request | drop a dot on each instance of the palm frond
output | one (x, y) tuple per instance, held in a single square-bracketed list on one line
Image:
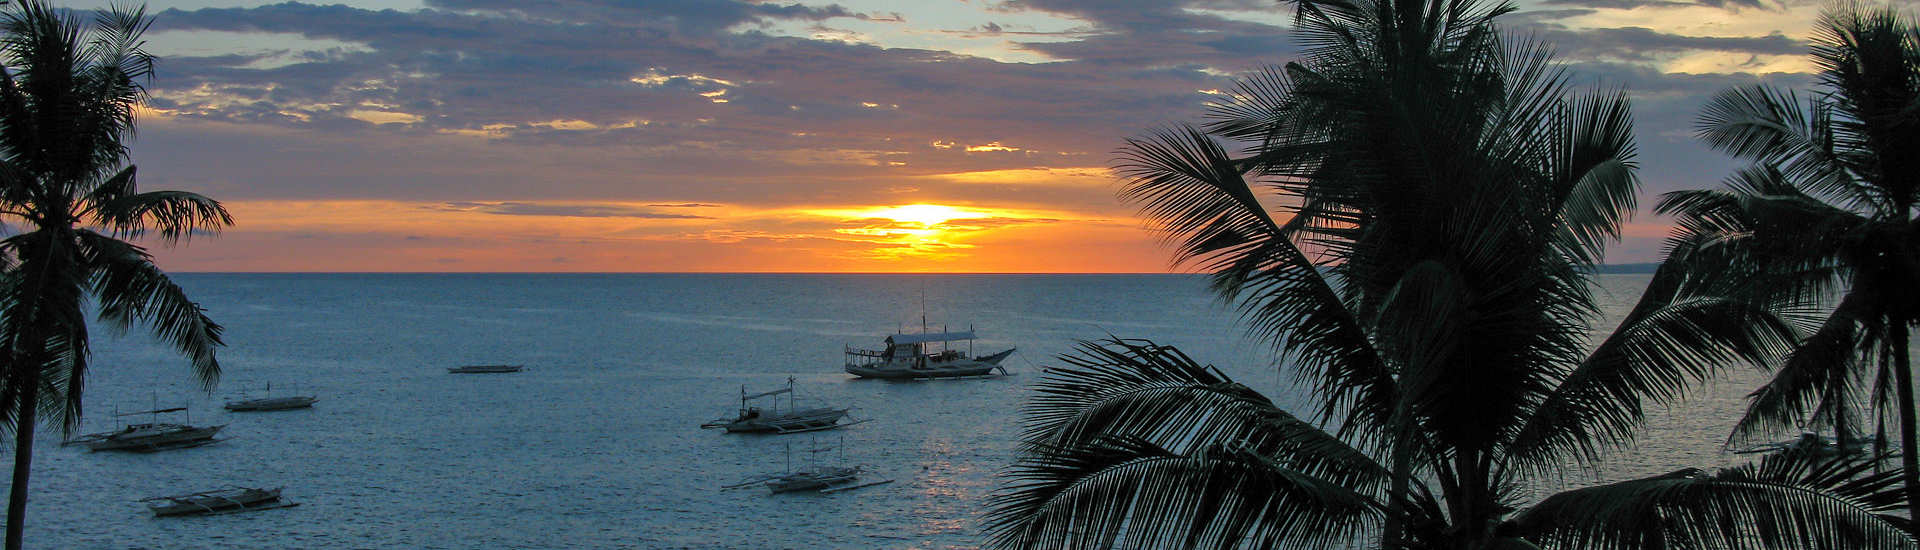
[(1597, 172), (1769, 127), (1138, 389), (1810, 373), (1671, 339), (175, 215), (1125, 492), (130, 288), (65, 375), (1186, 183), (1867, 58), (1787, 501), (1762, 240), (42, 327)]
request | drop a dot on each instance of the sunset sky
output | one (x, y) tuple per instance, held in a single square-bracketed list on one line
[(719, 135)]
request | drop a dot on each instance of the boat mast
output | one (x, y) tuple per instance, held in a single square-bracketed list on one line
[(791, 404)]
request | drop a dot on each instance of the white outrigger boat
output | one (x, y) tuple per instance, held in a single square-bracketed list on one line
[(151, 436), (220, 501), (752, 419), (910, 356)]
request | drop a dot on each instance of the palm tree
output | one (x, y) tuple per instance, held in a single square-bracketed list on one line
[(68, 94), (1825, 210), (1441, 202)]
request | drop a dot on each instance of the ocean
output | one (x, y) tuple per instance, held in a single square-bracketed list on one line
[(597, 444)]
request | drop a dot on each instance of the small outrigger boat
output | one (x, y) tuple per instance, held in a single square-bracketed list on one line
[(150, 437), (484, 369), (753, 419), (818, 479), (272, 403), (220, 501), (907, 356)]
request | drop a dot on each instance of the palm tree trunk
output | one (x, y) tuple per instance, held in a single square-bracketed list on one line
[(1903, 382), (22, 458)]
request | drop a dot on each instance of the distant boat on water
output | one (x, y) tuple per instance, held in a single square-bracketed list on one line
[(817, 478), (753, 419), (220, 501), (912, 356), (151, 436), (824, 479), (272, 403), (484, 369)]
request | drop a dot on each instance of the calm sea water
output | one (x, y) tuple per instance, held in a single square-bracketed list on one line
[(597, 444)]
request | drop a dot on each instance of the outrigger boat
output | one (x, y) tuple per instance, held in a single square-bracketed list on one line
[(818, 479), (219, 501), (823, 479), (272, 403), (752, 419), (151, 436), (484, 369), (909, 356)]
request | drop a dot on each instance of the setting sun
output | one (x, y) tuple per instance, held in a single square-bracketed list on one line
[(927, 215)]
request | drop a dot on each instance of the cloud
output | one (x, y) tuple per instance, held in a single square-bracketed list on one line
[(982, 224), (700, 110), (1627, 4), (700, 16), (560, 210), (1645, 45)]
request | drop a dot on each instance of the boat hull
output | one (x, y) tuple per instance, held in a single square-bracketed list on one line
[(272, 404), (216, 502), (801, 421), (484, 369), (814, 480), (177, 437), (980, 366)]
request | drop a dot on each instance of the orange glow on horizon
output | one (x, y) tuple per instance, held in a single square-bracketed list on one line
[(548, 236), (926, 215)]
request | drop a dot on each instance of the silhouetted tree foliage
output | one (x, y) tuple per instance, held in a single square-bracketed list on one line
[(1824, 210), (1411, 214), (68, 95)]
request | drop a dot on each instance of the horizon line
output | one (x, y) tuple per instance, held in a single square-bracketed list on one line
[(211, 272), (214, 272)]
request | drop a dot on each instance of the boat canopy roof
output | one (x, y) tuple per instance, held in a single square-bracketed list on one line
[(898, 339)]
